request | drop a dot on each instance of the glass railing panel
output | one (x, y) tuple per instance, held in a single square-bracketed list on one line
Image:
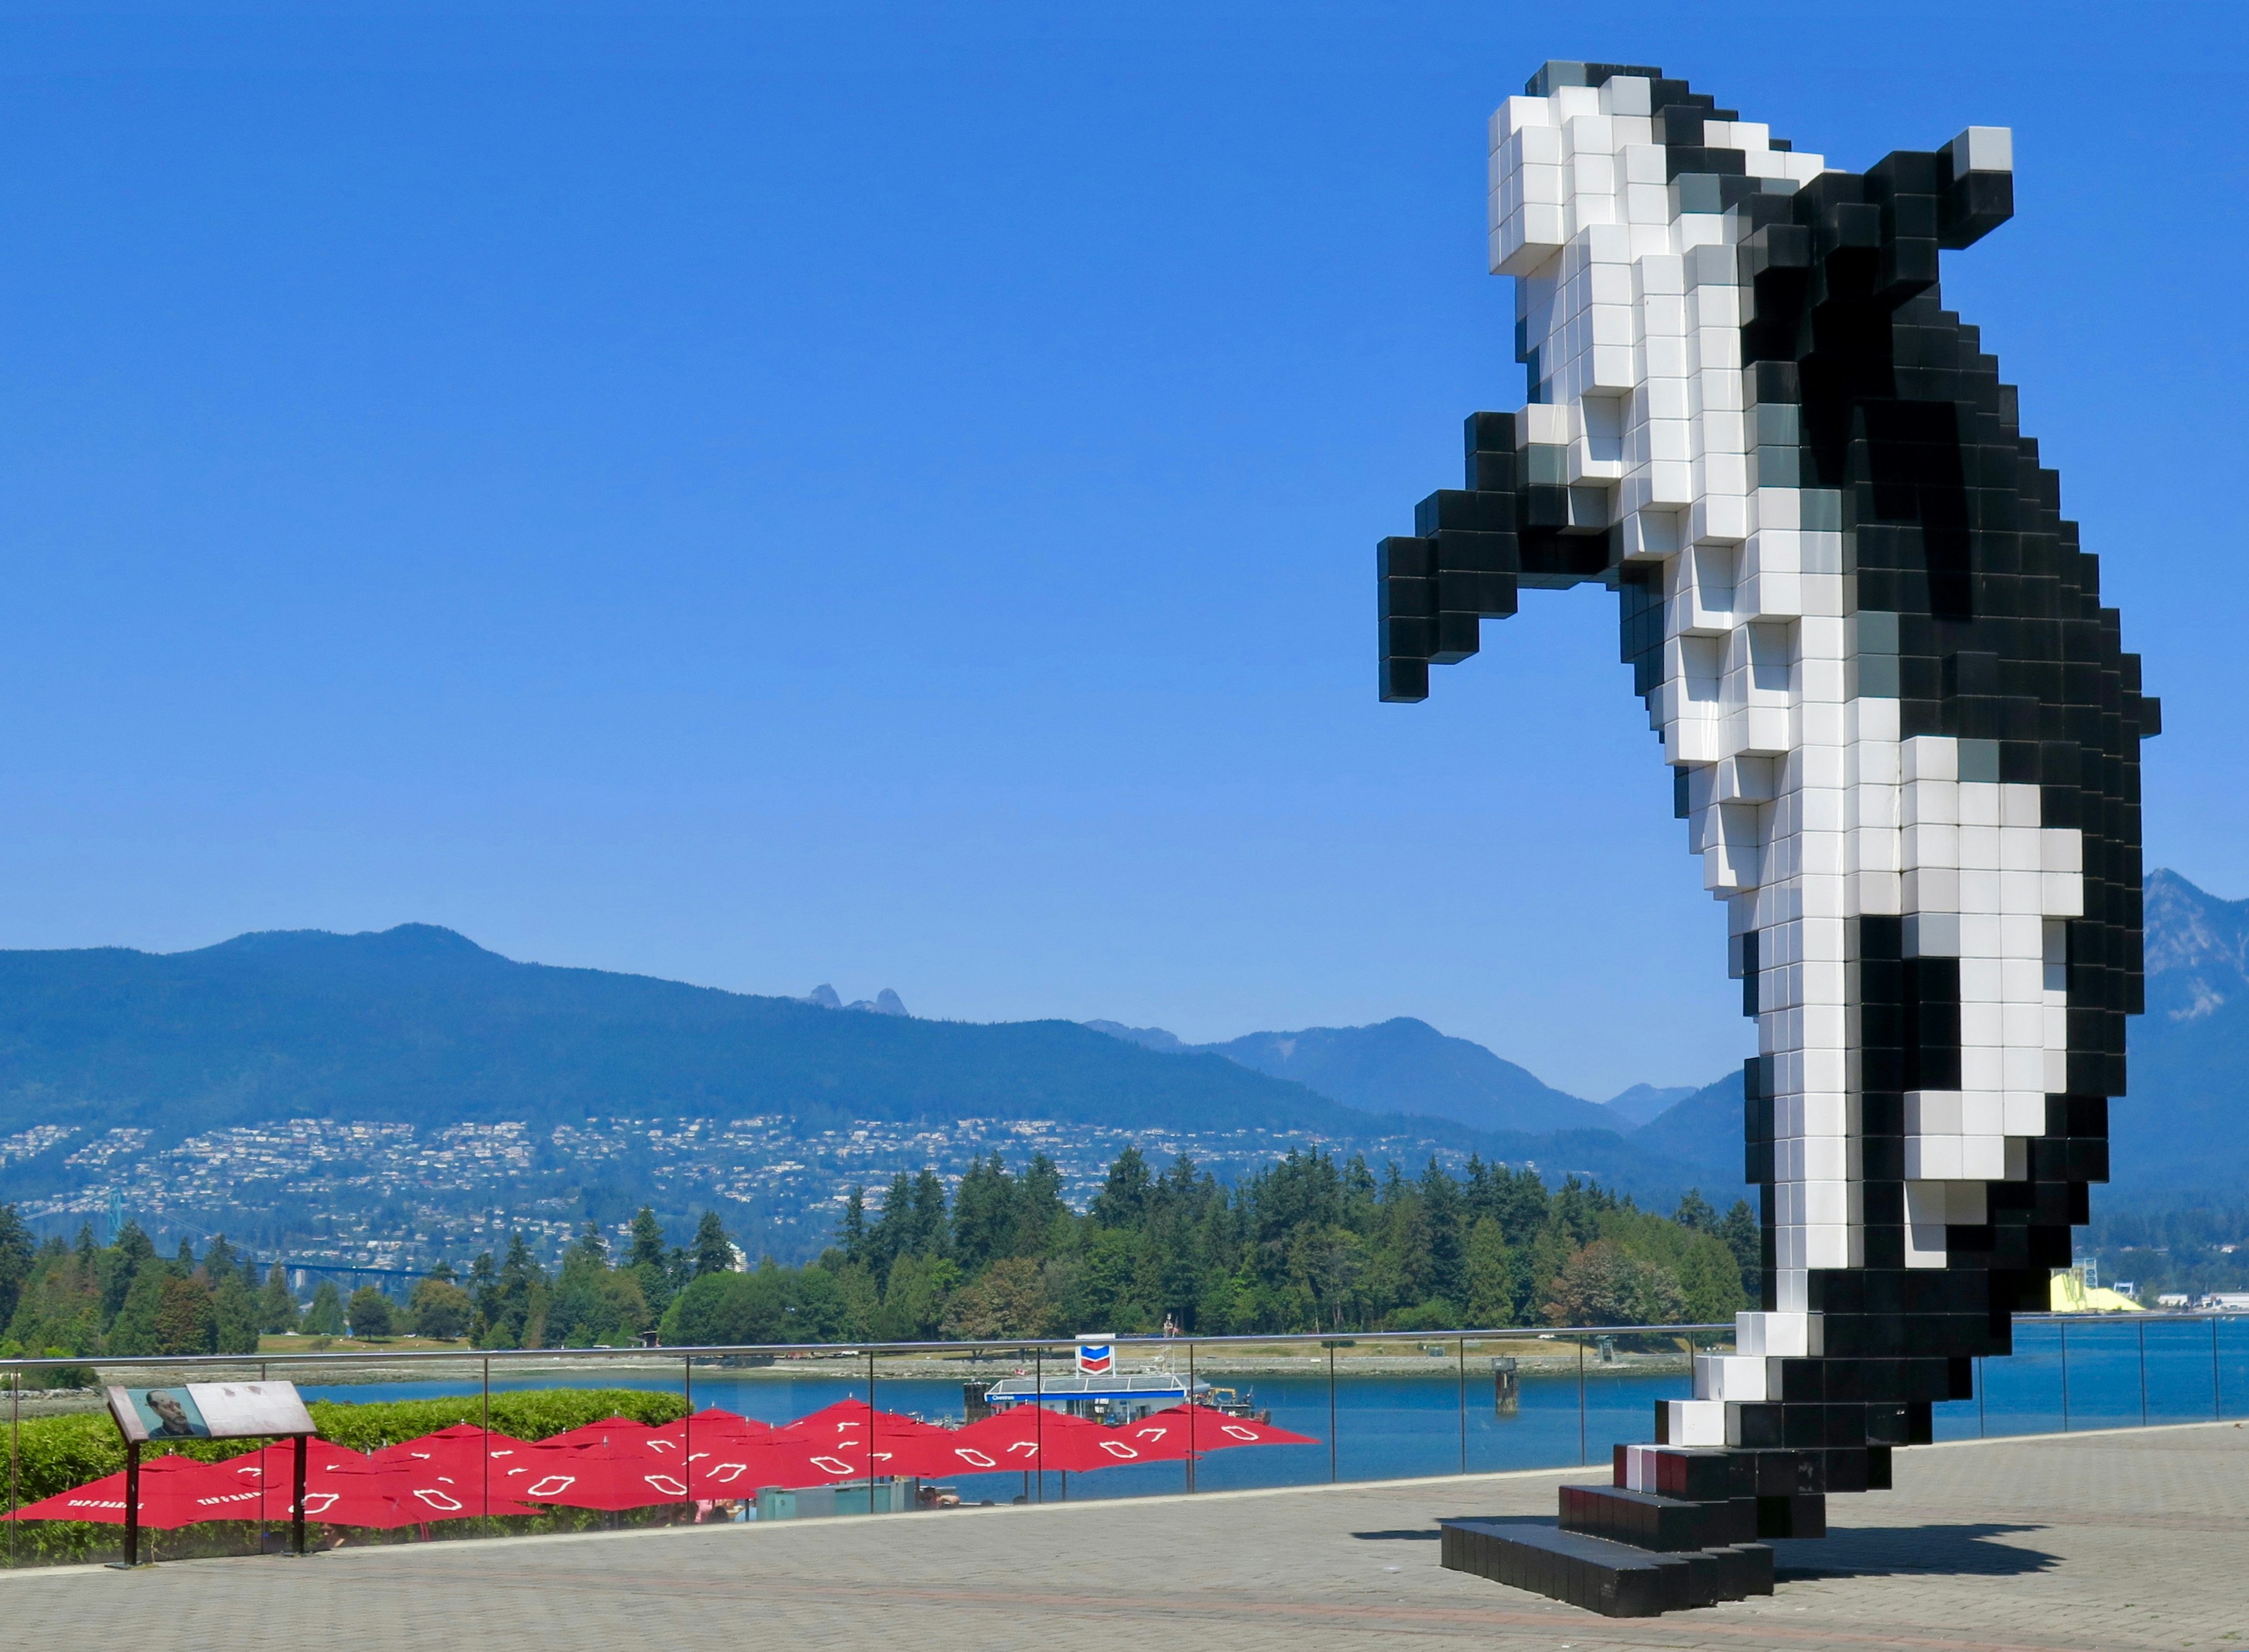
[(2023, 1392), (2182, 1382), (2232, 1379), (2105, 1371)]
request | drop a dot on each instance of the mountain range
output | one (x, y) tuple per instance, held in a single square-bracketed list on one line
[(419, 1025)]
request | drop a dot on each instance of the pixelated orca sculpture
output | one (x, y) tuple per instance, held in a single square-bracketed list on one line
[(1901, 730)]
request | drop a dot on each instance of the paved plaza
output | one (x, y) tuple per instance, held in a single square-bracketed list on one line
[(2134, 1539)]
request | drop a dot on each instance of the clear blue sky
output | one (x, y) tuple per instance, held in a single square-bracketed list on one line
[(887, 497)]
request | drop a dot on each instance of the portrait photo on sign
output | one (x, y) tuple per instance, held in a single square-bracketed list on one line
[(159, 1413)]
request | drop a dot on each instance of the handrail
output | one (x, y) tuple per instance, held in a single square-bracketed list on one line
[(856, 1350), (992, 1346)]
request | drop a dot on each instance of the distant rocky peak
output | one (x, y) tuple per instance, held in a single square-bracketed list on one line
[(2197, 947), (884, 1003)]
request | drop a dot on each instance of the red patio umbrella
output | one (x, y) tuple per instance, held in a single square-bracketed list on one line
[(853, 1421), (423, 1491), (714, 1424), (1206, 1428), (618, 1476), (607, 1431), (342, 1488), (1032, 1438), (455, 1447), (175, 1491)]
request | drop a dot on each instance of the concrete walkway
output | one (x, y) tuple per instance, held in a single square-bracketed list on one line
[(2129, 1539)]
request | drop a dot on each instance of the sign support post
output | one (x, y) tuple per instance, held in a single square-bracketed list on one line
[(297, 1497), (132, 1507)]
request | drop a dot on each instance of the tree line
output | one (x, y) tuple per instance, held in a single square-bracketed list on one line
[(1307, 1243), (84, 1299)]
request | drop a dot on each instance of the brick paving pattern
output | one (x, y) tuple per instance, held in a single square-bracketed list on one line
[(2130, 1539)]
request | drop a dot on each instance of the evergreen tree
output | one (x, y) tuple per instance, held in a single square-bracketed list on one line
[(647, 1241), (484, 1293), (1694, 1212), (1443, 1214), (1746, 1239), (135, 1329), (1492, 1293), (221, 1259), (277, 1304), (185, 1319), (120, 1262), (234, 1315), (891, 1236), (1040, 1212), (652, 1264), (325, 1317), (712, 1250), (852, 1228), (17, 1249), (518, 1318), (984, 1214), (1123, 1201), (925, 1215)]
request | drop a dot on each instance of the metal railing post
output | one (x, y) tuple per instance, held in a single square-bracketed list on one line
[(1462, 1348), (2065, 1376), (1038, 1417), (2143, 1373), (1581, 1399), (1191, 1416), (2217, 1382), (15, 1428), (483, 1444), (1331, 1415), (1979, 1397)]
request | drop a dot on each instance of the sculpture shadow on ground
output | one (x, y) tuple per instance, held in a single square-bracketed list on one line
[(1968, 1549)]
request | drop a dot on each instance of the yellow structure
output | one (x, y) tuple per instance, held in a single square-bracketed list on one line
[(2072, 1295)]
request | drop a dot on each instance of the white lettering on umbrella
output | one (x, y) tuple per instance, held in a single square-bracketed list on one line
[(320, 1502), (666, 1484), (725, 1473), (655, 1444), (974, 1458), (1238, 1432), (552, 1485), (1118, 1450), (832, 1465), (1151, 1432), (436, 1499), (1028, 1448)]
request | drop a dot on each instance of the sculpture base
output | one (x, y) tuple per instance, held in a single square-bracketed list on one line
[(1600, 1574), (1680, 1526)]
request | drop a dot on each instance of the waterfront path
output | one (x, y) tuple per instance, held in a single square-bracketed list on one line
[(2126, 1540)]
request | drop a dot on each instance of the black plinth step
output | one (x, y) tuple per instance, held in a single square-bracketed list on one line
[(1613, 1578), (1649, 1521)]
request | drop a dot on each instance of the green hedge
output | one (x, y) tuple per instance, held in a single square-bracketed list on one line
[(54, 1454)]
